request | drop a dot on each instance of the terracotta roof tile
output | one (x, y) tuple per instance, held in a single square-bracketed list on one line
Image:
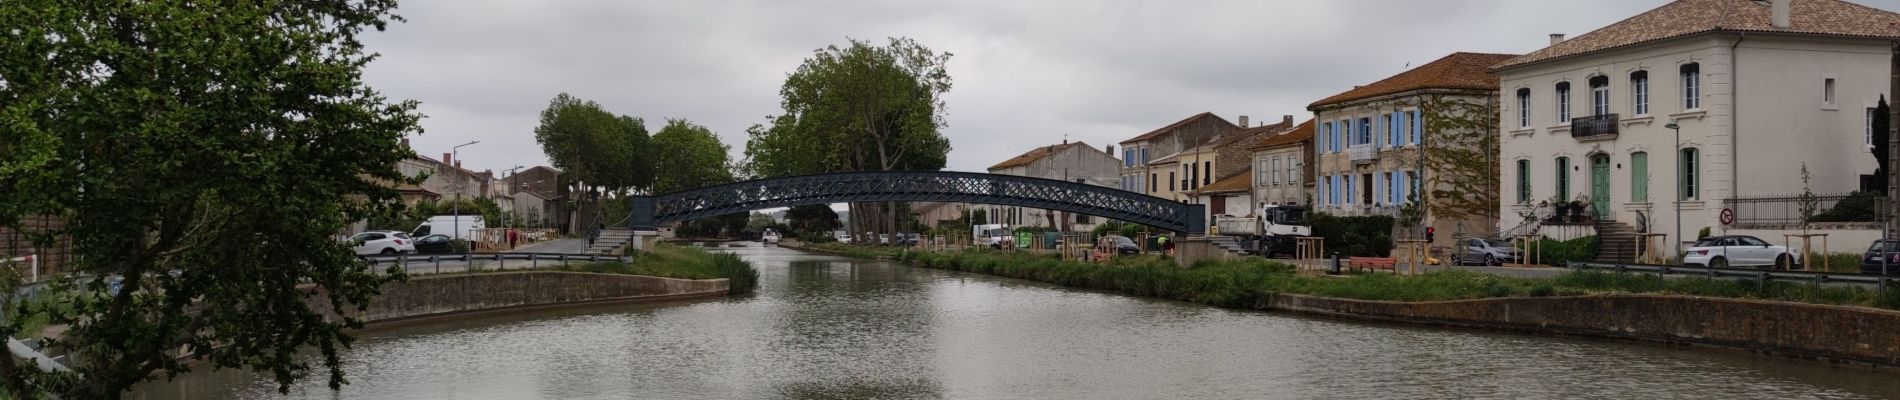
[(1238, 182), (1034, 154), (1301, 133), (1165, 129), (1455, 71), (1689, 17)]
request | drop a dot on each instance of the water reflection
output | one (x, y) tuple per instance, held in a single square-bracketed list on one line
[(826, 327)]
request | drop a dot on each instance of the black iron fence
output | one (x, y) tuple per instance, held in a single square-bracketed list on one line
[(1785, 211)]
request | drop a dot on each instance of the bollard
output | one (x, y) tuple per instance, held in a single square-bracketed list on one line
[(1335, 270)]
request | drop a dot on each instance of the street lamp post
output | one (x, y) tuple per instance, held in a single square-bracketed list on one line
[(455, 154), (1678, 157)]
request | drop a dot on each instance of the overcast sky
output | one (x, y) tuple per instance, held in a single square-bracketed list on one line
[(1026, 73)]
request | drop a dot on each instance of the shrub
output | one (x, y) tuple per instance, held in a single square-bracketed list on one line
[(1559, 253), (669, 261), (1856, 207), (1366, 236)]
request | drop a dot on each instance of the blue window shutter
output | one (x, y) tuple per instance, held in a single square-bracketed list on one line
[(1391, 130)]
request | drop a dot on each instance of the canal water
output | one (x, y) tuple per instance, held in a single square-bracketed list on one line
[(828, 327)]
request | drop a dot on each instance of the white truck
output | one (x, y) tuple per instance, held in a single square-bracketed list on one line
[(996, 236), (1274, 230), (455, 227)]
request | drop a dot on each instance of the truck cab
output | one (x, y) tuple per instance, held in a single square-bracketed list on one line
[(1275, 229), (996, 236)]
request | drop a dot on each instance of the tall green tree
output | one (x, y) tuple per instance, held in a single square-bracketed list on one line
[(202, 157), (687, 156), (1881, 123), (862, 107)]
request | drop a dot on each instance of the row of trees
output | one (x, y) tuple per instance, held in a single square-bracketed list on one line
[(608, 157)]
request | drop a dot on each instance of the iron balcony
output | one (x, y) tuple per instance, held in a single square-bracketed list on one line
[(1597, 127)]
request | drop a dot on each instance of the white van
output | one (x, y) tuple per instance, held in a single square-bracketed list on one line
[(462, 227)]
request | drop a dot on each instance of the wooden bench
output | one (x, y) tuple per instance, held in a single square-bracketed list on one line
[(1372, 263)]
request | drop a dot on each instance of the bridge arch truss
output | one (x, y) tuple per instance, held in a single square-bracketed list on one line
[(908, 186)]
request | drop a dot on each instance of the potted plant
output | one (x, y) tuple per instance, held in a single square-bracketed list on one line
[(1578, 204)]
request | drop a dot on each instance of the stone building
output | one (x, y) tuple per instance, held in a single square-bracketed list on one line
[(1280, 173), (1069, 162), (1147, 167), (1369, 159)]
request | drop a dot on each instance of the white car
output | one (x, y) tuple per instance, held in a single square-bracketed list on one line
[(1740, 251), (769, 237), (842, 237), (383, 243)]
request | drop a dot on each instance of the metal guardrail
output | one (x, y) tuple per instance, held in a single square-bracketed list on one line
[(535, 260), (1742, 273)]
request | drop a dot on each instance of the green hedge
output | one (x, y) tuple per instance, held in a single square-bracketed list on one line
[(1560, 253), (1367, 236), (669, 261), (1246, 282)]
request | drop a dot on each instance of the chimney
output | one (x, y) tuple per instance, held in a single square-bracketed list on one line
[(458, 163), (1108, 148), (446, 159), (405, 143), (1288, 120), (1778, 13), (1243, 121), (1556, 38)]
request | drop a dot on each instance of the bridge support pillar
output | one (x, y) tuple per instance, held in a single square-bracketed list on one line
[(645, 240), (1189, 250)]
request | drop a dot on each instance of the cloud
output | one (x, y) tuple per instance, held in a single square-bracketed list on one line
[(1026, 73)]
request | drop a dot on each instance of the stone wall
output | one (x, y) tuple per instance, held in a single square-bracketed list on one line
[(439, 295), (1819, 332)]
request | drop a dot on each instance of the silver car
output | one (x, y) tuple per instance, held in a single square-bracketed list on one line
[(1485, 252)]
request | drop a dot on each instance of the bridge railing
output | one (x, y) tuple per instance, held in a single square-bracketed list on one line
[(425, 264)]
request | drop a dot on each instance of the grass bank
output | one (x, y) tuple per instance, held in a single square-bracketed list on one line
[(670, 261), (1248, 282), (852, 250)]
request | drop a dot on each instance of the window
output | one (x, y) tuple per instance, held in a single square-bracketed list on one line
[(1351, 188), (1260, 178), (1144, 155), (1563, 178), (1563, 103), (1365, 130), (1689, 175), (1639, 177), (1207, 172), (1524, 181), (1867, 128), (1827, 91), (1599, 95), (1276, 171), (1152, 182), (1292, 170), (1639, 92), (1328, 138), (1171, 181), (1391, 189), (1691, 86), (1524, 108), (1418, 126)]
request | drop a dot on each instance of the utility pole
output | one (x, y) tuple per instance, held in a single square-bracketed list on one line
[(1893, 139), (455, 156)]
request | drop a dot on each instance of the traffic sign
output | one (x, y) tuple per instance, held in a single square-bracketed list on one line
[(1728, 216)]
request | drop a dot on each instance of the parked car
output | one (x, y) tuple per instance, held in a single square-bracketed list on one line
[(769, 236), (434, 244), (382, 242), (841, 236), (1870, 262), (1122, 244), (1740, 251), (1485, 252), (905, 239)]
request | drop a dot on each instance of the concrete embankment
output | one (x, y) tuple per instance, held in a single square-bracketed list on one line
[(1847, 335), (438, 296)]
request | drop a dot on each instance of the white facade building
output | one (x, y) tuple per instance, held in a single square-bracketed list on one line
[(1757, 89)]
